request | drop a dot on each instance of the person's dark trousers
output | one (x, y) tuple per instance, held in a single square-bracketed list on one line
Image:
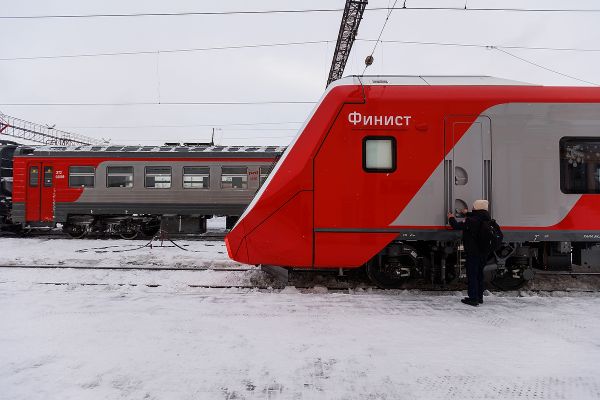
[(475, 288), (481, 285)]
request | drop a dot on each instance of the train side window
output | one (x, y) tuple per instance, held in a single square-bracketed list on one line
[(580, 165), (264, 173), (82, 177), (34, 176), (48, 175), (196, 177), (119, 177), (234, 177), (158, 177), (379, 154)]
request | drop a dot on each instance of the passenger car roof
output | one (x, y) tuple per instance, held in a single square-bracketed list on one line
[(428, 80)]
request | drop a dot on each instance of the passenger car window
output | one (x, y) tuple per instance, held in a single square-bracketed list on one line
[(379, 154), (158, 177), (119, 177), (580, 165), (234, 177), (82, 177), (48, 176), (34, 176), (196, 177)]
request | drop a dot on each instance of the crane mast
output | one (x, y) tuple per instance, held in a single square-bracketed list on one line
[(353, 13)]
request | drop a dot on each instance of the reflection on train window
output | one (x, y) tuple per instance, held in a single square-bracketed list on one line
[(34, 176), (234, 177), (264, 173), (379, 154), (580, 165), (119, 177), (48, 176), (196, 177), (158, 177), (82, 177)]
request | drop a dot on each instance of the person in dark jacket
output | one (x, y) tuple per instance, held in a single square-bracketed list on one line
[(476, 260)]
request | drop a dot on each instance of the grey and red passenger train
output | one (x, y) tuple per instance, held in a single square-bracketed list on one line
[(127, 190), (372, 174)]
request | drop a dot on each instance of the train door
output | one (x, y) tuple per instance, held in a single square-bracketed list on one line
[(34, 193), (40, 192), (468, 162)]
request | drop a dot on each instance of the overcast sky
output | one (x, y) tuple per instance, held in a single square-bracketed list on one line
[(284, 73)]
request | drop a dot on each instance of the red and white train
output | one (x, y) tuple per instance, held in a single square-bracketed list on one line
[(381, 160), (127, 190)]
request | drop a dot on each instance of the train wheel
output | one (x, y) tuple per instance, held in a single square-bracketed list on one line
[(514, 275), (150, 229), (506, 280), (129, 235), (24, 231), (390, 273), (75, 231)]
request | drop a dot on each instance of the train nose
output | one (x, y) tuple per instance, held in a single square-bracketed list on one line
[(273, 233), (235, 241)]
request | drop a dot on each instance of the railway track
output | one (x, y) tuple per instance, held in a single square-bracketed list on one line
[(58, 234), (132, 268), (548, 281), (322, 289)]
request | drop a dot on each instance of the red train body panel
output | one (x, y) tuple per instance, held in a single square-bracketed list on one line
[(320, 208)]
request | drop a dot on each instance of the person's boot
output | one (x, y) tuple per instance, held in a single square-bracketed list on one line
[(469, 301)]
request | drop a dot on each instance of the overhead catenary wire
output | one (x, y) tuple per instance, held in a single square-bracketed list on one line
[(502, 50), (187, 127), (166, 103), (286, 44), (545, 68), (184, 125), (387, 18), (166, 51), (480, 45), (293, 11)]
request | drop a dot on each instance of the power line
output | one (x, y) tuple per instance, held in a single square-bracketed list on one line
[(184, 126), (130, 53), (175, 127), (502, 50), (379, 37), (221, 138), (545, 68), (164, 103), (485, 46), (174, 14), (504, 9), (285, 44), (296, 11)]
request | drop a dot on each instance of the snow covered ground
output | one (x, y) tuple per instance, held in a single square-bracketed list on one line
[(110, 253), (91, 342), (146, 334)]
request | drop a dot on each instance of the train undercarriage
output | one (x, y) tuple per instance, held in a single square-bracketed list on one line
[(124, 226), (443, 263)]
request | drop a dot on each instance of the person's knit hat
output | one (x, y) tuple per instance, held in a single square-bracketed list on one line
[(480, 205)]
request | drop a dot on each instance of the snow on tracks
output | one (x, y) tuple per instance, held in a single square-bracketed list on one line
[(138, 342)]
